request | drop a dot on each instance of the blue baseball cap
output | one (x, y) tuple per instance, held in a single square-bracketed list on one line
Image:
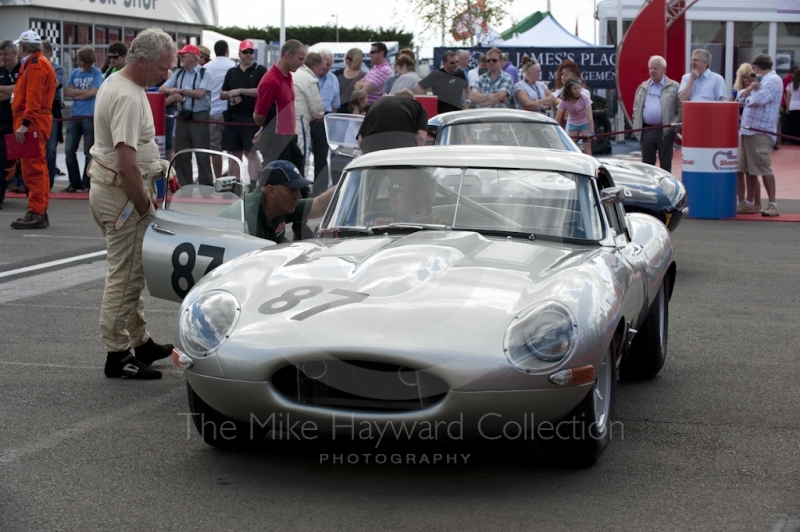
[(283, 173)]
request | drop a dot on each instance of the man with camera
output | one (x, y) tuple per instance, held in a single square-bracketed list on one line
[(193, 84)]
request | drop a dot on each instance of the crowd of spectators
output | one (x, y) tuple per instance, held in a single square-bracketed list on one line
[(262, 115)]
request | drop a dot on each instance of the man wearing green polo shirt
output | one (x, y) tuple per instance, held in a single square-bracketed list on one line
[(276, 201)]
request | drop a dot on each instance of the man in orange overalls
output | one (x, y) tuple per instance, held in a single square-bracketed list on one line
[(32, 110)]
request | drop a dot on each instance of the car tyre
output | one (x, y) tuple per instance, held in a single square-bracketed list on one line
[(219, 430), (590, 423), (648, 350)]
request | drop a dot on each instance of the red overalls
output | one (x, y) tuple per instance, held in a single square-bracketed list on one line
[(32, 106)]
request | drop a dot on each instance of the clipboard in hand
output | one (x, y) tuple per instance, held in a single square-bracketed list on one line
[(26, 150)]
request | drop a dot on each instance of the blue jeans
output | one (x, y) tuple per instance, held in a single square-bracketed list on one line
[(75, 130), (52, 146)]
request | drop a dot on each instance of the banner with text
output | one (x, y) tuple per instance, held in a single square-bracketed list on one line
[(597, 64)]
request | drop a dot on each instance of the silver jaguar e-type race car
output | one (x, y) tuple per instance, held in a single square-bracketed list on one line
[(451, 292)]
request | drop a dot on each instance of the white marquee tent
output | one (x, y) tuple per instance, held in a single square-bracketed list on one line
[(546, 34)]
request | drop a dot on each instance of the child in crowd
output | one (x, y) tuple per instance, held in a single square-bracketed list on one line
[(358, 102), (578, 103)]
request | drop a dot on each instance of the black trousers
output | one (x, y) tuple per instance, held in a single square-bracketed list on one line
[(652, 142), (319, 147)]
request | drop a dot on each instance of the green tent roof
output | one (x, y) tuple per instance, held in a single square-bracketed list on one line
[(525, 24)]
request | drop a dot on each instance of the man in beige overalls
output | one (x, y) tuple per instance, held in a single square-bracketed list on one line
[(123, 172)]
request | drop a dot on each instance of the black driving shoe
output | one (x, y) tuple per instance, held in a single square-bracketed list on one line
[(149, 352)]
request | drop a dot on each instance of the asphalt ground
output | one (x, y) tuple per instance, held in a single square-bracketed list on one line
[(711, 444)]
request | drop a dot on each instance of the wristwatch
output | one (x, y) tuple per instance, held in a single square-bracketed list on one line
[(241, 91)]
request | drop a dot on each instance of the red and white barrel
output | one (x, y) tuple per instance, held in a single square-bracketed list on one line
[(710, 157), (159, 109)]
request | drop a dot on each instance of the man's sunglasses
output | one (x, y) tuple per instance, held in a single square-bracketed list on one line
[(249, 52), (452, 62), (492, 60), (113, 56), (373, 52)]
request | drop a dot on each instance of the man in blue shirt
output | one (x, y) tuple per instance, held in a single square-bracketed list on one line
[(329, 91), (194, 85), (701, 84), (82, 88)]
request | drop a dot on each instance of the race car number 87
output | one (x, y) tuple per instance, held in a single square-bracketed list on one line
[(291, 298), (184, 271)]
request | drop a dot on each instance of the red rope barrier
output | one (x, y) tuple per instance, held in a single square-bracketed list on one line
[(219, 122), (626, 131), (781, 135)]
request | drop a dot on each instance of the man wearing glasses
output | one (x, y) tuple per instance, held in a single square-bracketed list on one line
[(116, 58), (656, 103), (493, 89), (701, 84), (376, 78), (240, 89), (449, 83)]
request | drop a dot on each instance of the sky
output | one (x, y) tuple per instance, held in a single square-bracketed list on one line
[(392, 13)]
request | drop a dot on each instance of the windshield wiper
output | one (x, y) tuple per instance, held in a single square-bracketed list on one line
[(408, 227), (347, 229)]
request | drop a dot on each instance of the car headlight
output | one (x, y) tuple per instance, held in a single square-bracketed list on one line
[(207, 321), (541, 337), (671, 188)]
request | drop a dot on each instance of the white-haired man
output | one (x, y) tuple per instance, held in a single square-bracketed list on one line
[(329, 92), (125, 165), (656, 103)]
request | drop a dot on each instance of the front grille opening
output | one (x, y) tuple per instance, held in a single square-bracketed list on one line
[(359, 385)]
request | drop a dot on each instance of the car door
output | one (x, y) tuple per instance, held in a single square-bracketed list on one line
[(198, 228), (630, 254)]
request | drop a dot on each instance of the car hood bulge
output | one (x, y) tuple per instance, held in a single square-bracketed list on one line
[(447, 292)]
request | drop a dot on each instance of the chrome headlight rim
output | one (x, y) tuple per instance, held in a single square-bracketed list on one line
[(203, 338), (525, 357)]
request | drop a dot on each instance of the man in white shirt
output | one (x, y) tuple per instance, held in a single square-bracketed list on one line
[(701, 84), (218, 67)]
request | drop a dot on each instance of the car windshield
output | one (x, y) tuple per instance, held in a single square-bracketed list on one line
[(488, 200), (525, 134)]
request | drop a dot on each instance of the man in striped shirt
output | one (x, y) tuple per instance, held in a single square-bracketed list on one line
[(373, 82), (761, 101)]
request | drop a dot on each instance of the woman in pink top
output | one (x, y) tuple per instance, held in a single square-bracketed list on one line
[(578, 104)]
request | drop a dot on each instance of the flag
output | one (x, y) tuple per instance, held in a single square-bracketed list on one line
[(576, 26)]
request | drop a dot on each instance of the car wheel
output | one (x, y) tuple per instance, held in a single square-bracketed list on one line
[(649, 348), (583, 435), (219, 430)]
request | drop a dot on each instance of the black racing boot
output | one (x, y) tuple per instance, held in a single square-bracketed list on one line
[(149, 352), (122, 365), (30, 221)]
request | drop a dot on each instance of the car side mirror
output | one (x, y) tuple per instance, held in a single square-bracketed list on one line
[(612, 195), (225, 184)]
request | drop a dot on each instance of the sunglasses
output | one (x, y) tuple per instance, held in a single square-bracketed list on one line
[(492, 60), (452, 62), (752, 76), (113, 56), (373, 52), (248, 52)]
